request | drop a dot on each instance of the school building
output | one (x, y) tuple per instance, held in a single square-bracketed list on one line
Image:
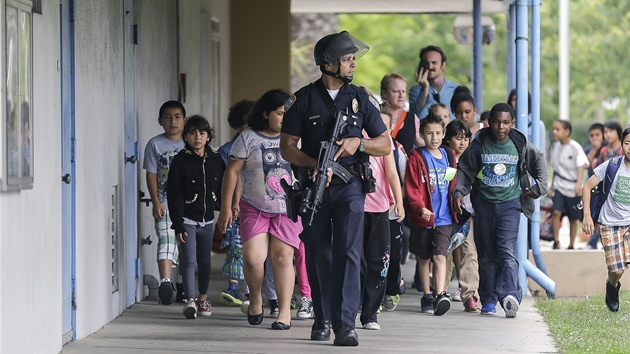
[(84, 81)]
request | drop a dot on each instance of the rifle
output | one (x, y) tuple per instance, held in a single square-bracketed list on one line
[(310, 200)]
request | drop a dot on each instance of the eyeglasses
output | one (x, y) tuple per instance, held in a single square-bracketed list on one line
[(436, 97)]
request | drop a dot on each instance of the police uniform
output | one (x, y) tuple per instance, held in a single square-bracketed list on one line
[(334, 263)]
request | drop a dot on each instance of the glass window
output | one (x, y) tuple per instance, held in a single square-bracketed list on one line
[(18, 137)]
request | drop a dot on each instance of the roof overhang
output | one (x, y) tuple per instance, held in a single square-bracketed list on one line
[(397, 6)]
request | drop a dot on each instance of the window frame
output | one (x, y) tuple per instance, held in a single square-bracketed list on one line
[(17, 149)]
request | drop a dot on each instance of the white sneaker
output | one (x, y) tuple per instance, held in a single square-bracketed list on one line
[(190, 309), (458, 295), (306, 309), (510, 306), (374, 326), (245, 307)]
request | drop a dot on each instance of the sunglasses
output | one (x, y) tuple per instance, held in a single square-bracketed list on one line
[(436, 97)]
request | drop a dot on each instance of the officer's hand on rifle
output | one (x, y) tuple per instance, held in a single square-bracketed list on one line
[(329, 174), (347, 147)]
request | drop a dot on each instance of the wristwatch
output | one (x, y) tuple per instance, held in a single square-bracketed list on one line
[(361, 145)]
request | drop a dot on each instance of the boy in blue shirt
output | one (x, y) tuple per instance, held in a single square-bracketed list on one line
[(497, 166)]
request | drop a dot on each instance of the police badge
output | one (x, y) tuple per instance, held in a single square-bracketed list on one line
[(355, 105), (289, 102)]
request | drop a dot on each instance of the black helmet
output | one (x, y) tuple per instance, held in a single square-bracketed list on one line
[(330, 48)]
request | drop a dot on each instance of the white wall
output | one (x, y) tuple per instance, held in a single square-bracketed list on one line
[(99, 158), (30, 243)]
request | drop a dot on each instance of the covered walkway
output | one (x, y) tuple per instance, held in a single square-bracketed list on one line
[(150, 327)]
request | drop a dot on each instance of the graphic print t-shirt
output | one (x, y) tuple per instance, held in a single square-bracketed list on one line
[(438, 187), (263, 170), (158, 155), (616, 209), (499, 177)]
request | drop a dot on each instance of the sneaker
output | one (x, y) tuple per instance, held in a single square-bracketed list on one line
[(190, 309), (204, 308), (612, 296), (374, 326), (165, 291), (390, 302), (245, 307), (402, 288), (510, 306), (471, 305), (293, 302), (458, 295), (231, 297), (306, 309), (489, 309), (426, 304), (274, 309), (441, 304), (179, 297)]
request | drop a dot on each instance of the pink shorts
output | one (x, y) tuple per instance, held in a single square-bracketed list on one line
[(255, 222)]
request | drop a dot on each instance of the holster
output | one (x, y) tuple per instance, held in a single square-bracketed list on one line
[(293, 199)]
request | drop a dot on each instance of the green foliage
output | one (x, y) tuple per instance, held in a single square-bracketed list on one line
[(586, 325), (599, 57)]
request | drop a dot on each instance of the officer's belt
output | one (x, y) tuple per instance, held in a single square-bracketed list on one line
[(335, 180)]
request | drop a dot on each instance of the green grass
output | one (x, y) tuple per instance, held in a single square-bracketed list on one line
[(586, 325)]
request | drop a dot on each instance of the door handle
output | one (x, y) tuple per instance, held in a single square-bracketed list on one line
[(67, 179), (131, 159)]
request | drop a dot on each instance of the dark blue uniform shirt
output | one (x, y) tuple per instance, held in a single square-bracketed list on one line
[(309, 119)]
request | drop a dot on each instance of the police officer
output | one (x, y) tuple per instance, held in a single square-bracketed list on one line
[(333, 263)]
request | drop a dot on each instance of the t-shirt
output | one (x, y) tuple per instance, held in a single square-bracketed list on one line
[(439, 187), (158, 155), (565, 159), (499, 175), (379, 201), (263, 170), (616, 209)]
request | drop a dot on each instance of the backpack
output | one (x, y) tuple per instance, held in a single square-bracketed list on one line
[(600, 193)]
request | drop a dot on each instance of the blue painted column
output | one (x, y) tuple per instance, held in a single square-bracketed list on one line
[(477, 55), (511, 50)]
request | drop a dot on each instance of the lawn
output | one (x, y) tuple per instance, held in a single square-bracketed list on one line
[(586, 325)]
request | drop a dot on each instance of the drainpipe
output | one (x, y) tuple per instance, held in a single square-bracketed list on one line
[(526, 268), (511, 50), (477, 55)]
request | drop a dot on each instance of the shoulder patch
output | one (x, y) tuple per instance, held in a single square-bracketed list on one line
[(289, 102), (374, 102)]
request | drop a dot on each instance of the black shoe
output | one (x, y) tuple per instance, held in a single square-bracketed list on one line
[(441, 304), (274, 309), (320, 330), (612, 296), (166, 293), (255, 320), (280, 326), (346, 337), (179, 296)]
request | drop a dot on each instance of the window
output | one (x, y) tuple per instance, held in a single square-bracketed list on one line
[(17, 149)]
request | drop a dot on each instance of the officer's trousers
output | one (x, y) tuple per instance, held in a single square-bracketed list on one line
[(333, 263)]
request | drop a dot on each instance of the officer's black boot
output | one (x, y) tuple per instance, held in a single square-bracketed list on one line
[(612, 296), (320, 330), (346, 336)]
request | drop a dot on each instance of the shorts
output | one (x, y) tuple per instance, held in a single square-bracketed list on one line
[(255, 222), (567, 205), (167, 241), (430, 242), (616, 241)]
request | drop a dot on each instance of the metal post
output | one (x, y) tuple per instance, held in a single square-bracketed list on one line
[(511, 50), (477, 55)]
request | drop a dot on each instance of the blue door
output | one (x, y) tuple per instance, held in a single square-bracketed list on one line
[(68, 188), (130, 158)]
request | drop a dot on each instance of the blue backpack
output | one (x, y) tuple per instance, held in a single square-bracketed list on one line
[(600, 193)]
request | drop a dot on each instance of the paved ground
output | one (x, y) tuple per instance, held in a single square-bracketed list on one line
[(149, 327)]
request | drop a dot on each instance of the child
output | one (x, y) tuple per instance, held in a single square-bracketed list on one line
[(441, 111), (431, 214), (376, 240), (497, 166), (463, 106), (265, 227), (568, 161), (194, 184), (237, 119), (614, 218), (596, 138), (457, 137), (158, 155), (612, 134)]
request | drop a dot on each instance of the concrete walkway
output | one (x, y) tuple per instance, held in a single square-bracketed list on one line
[(150, 327)]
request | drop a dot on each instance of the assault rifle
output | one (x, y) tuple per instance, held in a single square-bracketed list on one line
[(308, 202)]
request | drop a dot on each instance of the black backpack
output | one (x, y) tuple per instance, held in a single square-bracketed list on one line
[(600, 193)]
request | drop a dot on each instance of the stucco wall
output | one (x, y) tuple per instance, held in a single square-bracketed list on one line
[(30, 242)]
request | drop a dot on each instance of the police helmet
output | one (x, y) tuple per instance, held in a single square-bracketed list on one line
[(330, 48)]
